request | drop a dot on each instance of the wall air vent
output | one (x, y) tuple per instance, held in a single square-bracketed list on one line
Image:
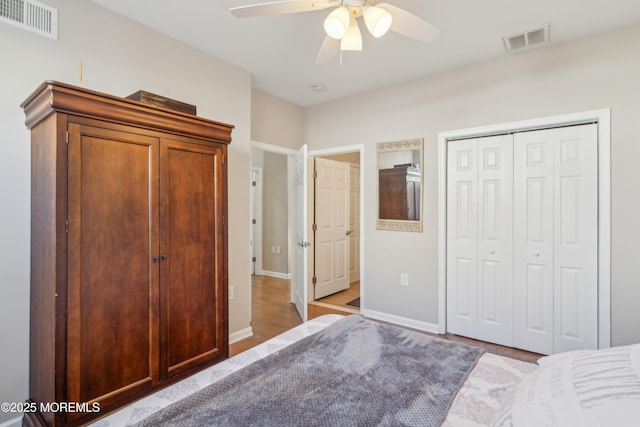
[(531, 39), (30, 15)]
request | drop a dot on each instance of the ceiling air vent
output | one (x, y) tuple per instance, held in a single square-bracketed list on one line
[(30, 15), (533, 38)]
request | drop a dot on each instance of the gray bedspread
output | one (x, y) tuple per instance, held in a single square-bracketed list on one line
[(356, 372)]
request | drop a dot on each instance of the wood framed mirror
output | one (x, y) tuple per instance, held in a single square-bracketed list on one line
[(400, 185)]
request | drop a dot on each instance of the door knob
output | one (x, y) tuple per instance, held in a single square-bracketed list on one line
[(492, 252), (349, 232), (536, 254)]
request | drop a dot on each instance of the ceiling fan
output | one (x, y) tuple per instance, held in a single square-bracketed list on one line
[(341, 25)]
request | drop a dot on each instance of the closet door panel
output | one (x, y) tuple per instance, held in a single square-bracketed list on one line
[(191, 266), (575, 238), (533, 286), (495, 229), (462, 235)]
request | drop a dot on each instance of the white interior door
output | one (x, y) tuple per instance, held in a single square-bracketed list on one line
[(462, 238), (300, 265), (533, 241), (354, 223), (495, 238), (555, 239), (575, 270), (480, 206), (332, 221)]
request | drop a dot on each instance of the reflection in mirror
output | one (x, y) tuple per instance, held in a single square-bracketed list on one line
[(400, 185)]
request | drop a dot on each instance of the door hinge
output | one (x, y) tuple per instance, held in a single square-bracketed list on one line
[(253, 259), (315, 174), (66, 137), (223, 159), (66, 226), (314, 227), (253, 221), (222, 219), (254, 183), (314, 280)]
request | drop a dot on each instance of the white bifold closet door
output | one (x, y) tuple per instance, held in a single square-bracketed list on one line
[(522, 239), (479, 238), (556, 239)]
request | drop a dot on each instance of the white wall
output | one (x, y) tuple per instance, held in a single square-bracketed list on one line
[(592, 73), (121, 57), (276, 121), (275, 215)]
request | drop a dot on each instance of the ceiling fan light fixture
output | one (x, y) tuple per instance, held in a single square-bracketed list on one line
[(352, 41), (336, 24), (377, 20)]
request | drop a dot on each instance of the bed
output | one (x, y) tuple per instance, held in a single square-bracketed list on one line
[(479, 389)]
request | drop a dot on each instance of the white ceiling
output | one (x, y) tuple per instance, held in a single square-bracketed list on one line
[(280, 51)]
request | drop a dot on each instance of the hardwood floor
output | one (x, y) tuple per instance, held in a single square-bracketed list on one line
[(273, 314), (339, 300)]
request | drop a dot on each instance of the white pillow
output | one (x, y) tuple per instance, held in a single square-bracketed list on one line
[(583, 388)]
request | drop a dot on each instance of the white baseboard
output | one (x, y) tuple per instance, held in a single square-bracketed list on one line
[(402, 321), (236, 336), (14, 422), (276, 274)]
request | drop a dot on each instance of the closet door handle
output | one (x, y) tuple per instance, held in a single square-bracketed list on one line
[(164, 257), (156, 259)]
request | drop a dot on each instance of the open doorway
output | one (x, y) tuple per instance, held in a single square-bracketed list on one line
[(335, 215), (272, 240)]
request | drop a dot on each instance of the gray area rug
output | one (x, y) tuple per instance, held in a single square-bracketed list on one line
[(356, 372)]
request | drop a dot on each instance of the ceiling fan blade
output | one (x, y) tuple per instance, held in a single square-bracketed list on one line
[(410, 25), (280, 8), (330, 47)]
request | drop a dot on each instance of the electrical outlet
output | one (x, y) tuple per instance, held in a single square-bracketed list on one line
[(404, 279), (273, 249), (277, 250)]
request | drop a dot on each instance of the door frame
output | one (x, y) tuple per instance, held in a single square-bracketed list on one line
[(603, 119), (289, 153), (256, 213), (359, 148)]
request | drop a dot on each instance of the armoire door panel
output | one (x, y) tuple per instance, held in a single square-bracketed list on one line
[(112, 179), (191, 255)]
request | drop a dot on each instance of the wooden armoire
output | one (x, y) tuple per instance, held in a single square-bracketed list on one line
[(128, 250), (399, 193)]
